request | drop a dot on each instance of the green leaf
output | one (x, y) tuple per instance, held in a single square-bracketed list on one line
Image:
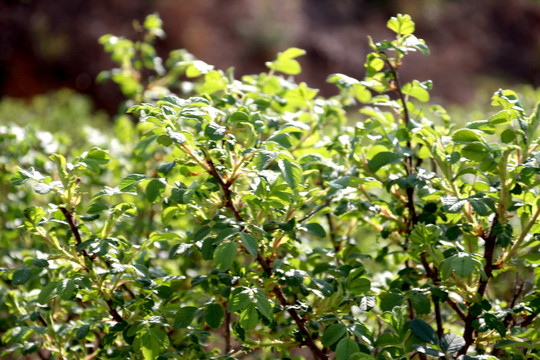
[(452, 343), (495, 323), (428, 350), (176, 137), (424, 331), (42, 263), (324, 286), (421, 303), (291, 172), (346, 348), (46, 293), (239, 116), (20, 276), (508, 136), (95, 158), (263, 305), (82, 332), (333, 334), (249, 318), (23, 176), (238, 302), (214, 315), (285, 62), (185, 316), (264, 159), (155, 190), (475, 151), (66, 288), (250, 243), (225, 254), (462, 264), (466, 136), (359, 285), (131, 181), (381, 159), (315, 229), (401, 25), (215, 131), (151, 342), (390, 300)]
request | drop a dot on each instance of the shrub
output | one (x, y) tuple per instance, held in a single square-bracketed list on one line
[(253, 218)]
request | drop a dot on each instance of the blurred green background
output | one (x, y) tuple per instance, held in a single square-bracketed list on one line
[(477, 46)]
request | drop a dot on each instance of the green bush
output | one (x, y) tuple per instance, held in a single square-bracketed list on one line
[(254, 217)]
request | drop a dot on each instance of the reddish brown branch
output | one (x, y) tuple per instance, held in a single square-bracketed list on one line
[(300, 322), (71, 220)]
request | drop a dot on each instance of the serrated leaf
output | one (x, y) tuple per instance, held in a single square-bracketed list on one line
[(215, 131), (382, 159), (42, 263), (46, 293), (424, 331), (155, 190), (495, 323), (249, 318), (465, 136), (452, 343), (238, 302), (20, 276), (250, 243), (291, 172), (214, 315), (239, 116), (42, 188), (324, 286), (185, 316), (66, 288), (130, 181), (315, 229), (225, 254), (264, 159), (401, 24), (333, 334), (263, 305), (82, 332), (421, 303), (462, 264), (346, 348), (176, 137), (152, 342), (428, 350), (390, 300)]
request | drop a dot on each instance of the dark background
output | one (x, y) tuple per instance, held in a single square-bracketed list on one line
[(479, 44)]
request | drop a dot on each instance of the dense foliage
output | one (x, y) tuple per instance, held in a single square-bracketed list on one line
[(251, 217)]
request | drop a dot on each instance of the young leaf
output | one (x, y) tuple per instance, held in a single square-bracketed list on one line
[(401, 25)]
